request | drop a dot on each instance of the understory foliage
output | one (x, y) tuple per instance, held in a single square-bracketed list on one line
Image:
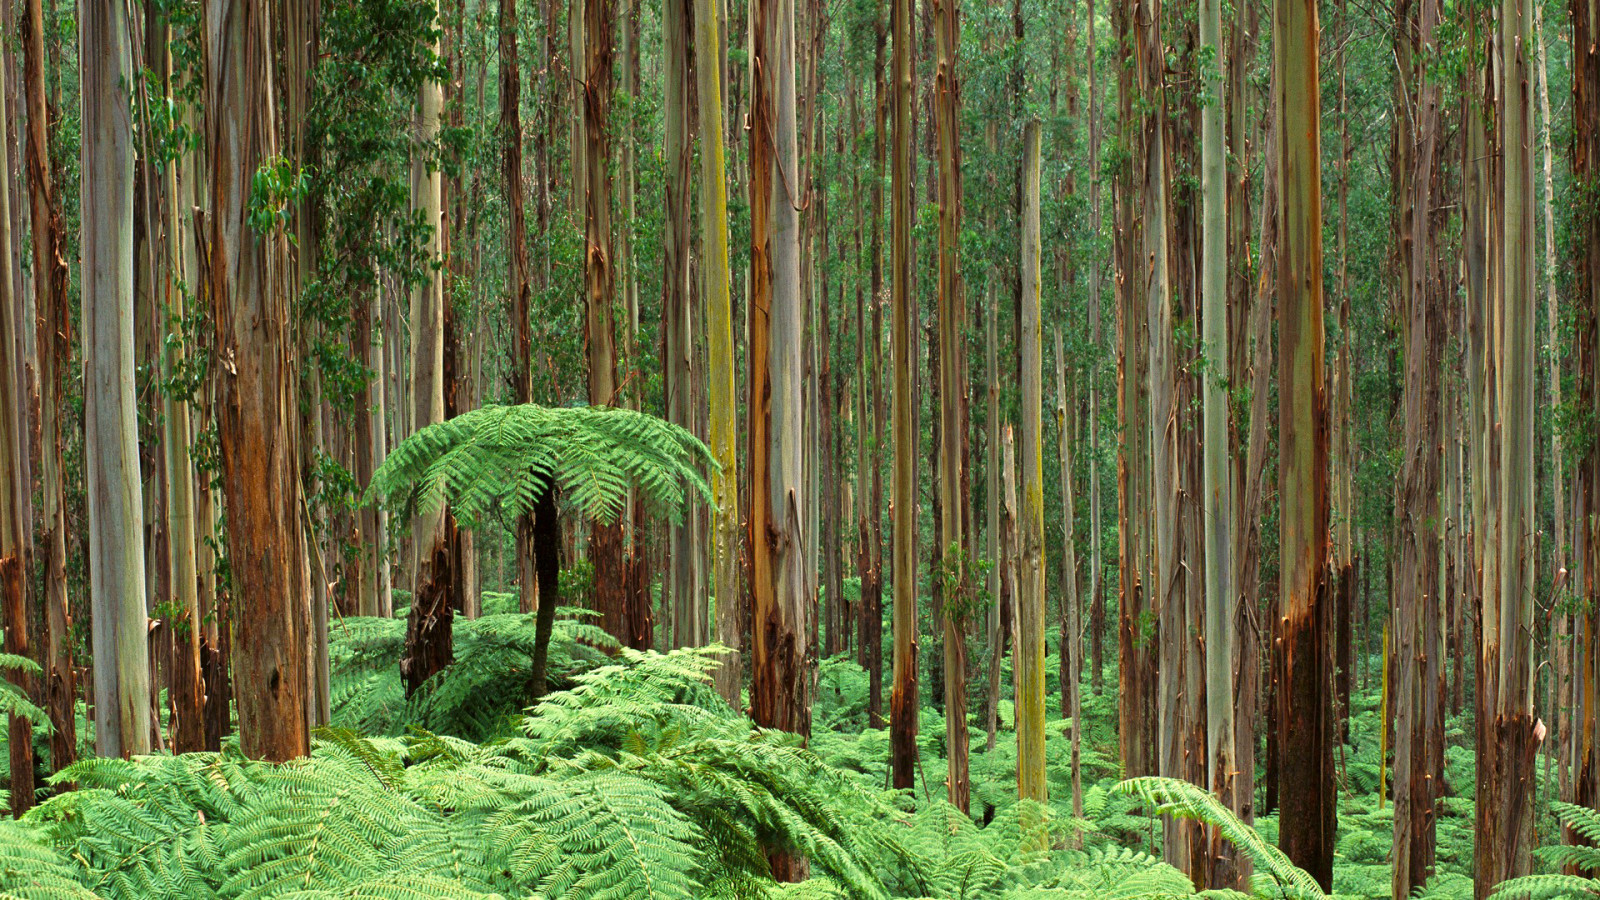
[(480, 695), (636, 782)]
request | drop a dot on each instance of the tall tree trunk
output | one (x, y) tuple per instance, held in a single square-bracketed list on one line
[(689, 625), (1305, 770), (54, 351), (952, 418), (723, 429), (781, 605), (116, 556), (1250, 363), (599, 330), (428, 625), (991, 496), (1342, 455), (872, 575), (1097, 600), (13, 478), (1417, 608), (1029, 663), (1560, 641), (1161, 375), (256, 397), (1137, 661), (1509, 737), (1072, 629), (518, 279), (1585, 170), (1221, 598), (903, 704), (187, 690)]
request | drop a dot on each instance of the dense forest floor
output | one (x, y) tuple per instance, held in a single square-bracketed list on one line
[(636, 780)]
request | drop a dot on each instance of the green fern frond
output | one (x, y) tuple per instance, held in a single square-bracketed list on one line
[(502, 458), (1546, 887), (31, 869), (1175, 797)]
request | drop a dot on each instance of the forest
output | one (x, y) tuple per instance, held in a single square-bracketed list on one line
[(800, 449)]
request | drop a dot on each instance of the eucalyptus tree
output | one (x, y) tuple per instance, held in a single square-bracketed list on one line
[(1305, 720), (719, 343), (780, 672), (685, 570), (116, 514), (952, 396), (1221, 598), (903, 703), (592, 180), (14, 483), (256, 402), (517, 271), (54, 353), (1166, 598), (1028, 667), (428, 624), (1071, 649), (1586, 296), (1419, 653), (1509, 736)]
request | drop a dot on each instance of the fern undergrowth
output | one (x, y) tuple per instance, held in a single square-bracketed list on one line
[(636, 780)]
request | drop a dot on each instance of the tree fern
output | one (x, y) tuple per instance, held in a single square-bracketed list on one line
[(502, 458)]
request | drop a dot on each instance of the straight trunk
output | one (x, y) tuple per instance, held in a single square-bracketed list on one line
[(689, 625), (1221, 597), (1585, 170), (599, 330), (1417, 608), (1304, 683), (14, 482), (952, 407), (1136, 657), (1509, 737), (1250, 363), (723, 429), (518, 284), (903, 704), (256, 400), (428, 625), (187, 690), (1071, 629), (1028, 666), (780, 675), (996, 637), (116, 554), (1165, 597), (54, 350), (1097, 600)]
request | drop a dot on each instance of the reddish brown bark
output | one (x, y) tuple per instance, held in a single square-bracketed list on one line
[(54, 348)]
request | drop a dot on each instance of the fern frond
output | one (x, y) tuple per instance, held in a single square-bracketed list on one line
[(502, 458), (1175, 797), (1546, 887), (31, 869)]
